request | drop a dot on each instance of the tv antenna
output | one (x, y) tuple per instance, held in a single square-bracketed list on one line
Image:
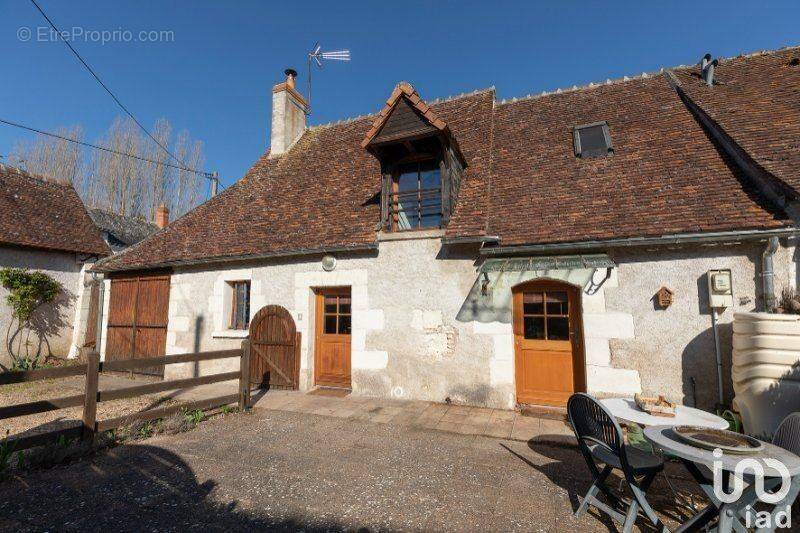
[(317, 56)]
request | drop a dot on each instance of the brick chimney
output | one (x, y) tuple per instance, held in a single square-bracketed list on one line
[(162, 216), (288, 115)]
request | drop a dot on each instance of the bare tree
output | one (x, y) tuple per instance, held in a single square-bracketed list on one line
[(187, 187), (56, 159), (118, 183), (156, 175), (118, 178)]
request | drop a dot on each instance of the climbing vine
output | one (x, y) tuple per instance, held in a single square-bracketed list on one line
[(27, 292)]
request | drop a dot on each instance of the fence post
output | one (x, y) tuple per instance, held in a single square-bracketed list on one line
[(244, 376), (90, 398)]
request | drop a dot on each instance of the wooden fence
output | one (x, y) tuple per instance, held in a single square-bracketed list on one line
[(92, 395)]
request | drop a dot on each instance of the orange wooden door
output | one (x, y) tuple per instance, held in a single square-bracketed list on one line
[(547, 340), (332, 354), (137, 318)]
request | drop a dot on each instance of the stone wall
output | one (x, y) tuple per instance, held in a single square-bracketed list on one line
[(52, 332), (669, 347), (410, 338)]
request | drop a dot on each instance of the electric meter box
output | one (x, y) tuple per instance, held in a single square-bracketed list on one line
[(720, 288)]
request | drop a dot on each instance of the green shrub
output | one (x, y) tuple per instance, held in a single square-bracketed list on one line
[(195, 416)]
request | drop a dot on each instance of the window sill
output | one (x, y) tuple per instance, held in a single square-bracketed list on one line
[(231, 334), (410, 235)]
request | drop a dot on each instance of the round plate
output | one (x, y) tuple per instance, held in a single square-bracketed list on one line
[(725, 440)]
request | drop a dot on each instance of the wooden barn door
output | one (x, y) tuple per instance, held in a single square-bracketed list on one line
[(137, 318), (332, 353), (274, 349)]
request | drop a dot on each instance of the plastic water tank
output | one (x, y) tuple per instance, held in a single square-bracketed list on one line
[(766, 370)]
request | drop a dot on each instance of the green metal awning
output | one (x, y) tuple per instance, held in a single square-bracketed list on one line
[(490, 298), (555, 262)]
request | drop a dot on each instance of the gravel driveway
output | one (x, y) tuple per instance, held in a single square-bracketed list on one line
[(18, 393), (284, 470)]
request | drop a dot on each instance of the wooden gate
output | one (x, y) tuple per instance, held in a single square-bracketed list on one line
[(274, 349), (137, 318)]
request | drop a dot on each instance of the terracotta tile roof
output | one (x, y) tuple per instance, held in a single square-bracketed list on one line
[(41, 214), (404, 89), (522, 184), (664, 177), (756, 101), (323, 193)]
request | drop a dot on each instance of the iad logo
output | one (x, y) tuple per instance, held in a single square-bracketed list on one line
[(745, 465)]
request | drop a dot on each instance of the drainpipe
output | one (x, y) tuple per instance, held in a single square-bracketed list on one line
[(718, 354), (768, 274)]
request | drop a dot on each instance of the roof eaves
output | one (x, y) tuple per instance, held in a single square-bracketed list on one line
[(732, 236), (100, 265)]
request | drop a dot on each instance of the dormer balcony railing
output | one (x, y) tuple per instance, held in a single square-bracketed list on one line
[(416, 209)]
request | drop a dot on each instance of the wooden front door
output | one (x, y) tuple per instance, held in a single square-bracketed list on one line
[(332, 353), (548, 342), (137, 318), (274, 349)]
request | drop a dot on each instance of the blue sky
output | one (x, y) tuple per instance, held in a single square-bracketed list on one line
[(214, 77)]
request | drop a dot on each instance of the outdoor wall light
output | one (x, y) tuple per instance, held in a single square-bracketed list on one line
[(485, 284)]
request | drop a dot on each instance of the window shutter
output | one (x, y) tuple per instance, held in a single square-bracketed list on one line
[(386, 189), (453, 176), (445, 187)]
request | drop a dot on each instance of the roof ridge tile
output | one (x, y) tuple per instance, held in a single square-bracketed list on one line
[(433, 102)]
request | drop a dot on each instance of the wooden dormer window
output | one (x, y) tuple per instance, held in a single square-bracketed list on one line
[(421, 163)]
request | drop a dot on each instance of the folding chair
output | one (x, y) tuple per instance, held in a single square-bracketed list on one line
[(601, 443), (787, 436)]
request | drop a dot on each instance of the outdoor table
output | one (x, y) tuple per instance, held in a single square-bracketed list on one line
[(626, 410), (730, 514)]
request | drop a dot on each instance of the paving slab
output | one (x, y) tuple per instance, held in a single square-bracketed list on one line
[(450, 418)]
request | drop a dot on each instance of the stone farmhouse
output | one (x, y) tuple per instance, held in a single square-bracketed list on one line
[(490, 252), (45, 227)]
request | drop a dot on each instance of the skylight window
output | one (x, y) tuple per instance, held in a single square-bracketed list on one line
[(592, 140)]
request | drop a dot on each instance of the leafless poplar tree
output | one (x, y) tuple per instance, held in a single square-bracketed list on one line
[(118, 183), (56, 159)]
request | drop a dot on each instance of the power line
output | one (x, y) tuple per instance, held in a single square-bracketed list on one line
[(103, 85), (209, 175)]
